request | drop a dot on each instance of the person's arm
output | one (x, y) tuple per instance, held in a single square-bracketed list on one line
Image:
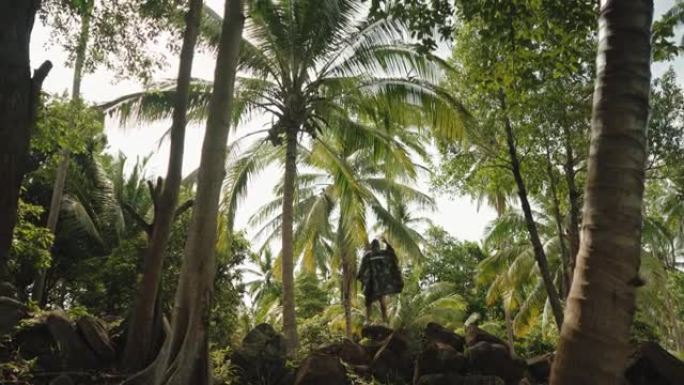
[(390, 251)]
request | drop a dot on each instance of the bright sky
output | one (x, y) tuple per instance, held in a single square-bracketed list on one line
[(457, 215)]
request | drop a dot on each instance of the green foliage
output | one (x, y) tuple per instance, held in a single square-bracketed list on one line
[(65, 124), (121, 34), (455, 262), (30, 248), (310, 298)]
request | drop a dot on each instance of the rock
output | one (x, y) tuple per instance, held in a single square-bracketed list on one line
[(474, 335), (74, 350), (493, 359), (8, 290), (482, 380), (262, 357), (11, 313), (36, 342), (62, 380), (376, 332), (393, 362), (371, 347), (653, 365), (437, 333), (438, 379), (455, 379), (321, 368), (96, 336), (438, 358), (349, 352), (539, 367)]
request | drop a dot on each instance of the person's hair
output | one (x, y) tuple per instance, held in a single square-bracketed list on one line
[(375, 245)]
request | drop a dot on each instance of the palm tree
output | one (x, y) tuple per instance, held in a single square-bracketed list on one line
[(510, 271), (333, 203), (601, 302), (264, 291), (312, 66)]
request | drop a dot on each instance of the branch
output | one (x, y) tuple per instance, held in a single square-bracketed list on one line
[(183, 208), (40, 74), (138, 219)]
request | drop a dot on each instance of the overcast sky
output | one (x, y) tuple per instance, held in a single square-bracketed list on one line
[(457, 215)]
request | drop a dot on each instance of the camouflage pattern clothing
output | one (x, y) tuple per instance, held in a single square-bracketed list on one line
[(379, 274)]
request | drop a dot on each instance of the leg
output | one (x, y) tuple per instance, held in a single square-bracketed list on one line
[(369, 304), (383, 308)]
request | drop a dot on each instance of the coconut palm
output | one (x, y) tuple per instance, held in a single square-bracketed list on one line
[(312, 66), (335, 200), (510, 271)]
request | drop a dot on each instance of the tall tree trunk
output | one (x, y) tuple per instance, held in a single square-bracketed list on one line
[(601, 305), (509, 327), (348, 276), (140, 341), (38, 293), (19, 94), (539, 253), (573, 200), (553, 184), (184, 357), (289, 320)]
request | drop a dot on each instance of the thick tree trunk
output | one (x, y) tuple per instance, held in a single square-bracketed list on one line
[(38, 293), (594, 341), (19, 94), (539, 253), (573, 200), (139, 350), (289, 320), (184, 357), (565, 254)]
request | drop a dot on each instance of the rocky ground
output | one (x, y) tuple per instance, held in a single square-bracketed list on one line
[(51, 348)]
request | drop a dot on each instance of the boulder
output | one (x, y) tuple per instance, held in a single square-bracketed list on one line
[(11, 313), (261, 358), (455, 379), (349, 352), (437, 333), (653, 365), (319, 369), (8, 290), (376, 332), (393, 362), (438, 358), (494, 359), (539, 367), (74, 350), (62, 380), (95, 335), (474, 335), (36, 342), (482, 380)]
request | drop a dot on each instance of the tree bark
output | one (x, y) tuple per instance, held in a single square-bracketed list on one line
[(594, 341), (509, 328), (139, 350), (19, 93), (348, 277), (573, 200), (184, 357), (553, 184), (38, 293), (539, 254), (289, 319)]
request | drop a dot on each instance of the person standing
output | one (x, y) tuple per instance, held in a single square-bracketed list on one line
[(380, 276)]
